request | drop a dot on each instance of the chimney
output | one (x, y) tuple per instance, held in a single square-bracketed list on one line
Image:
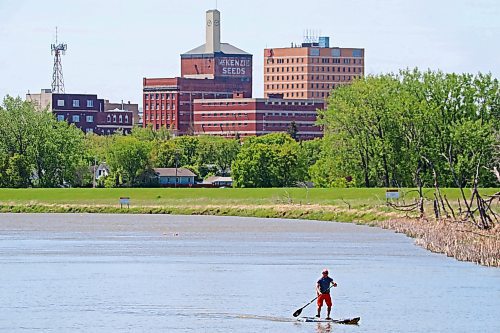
[(213, 31)]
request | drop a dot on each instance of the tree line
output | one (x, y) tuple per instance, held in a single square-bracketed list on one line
[(394, 130), (412, 128)]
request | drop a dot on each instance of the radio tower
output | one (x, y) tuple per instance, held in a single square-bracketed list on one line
[(57, 75)]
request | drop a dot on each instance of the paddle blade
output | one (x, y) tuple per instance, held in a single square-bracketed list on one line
[(298, 312)]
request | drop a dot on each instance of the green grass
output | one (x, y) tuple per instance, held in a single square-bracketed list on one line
[(356, 197), (347, 205)]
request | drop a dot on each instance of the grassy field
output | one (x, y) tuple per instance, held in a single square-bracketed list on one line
[(216, 196), (347, 205)]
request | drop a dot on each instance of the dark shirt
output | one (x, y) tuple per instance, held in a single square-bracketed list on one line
[(324, 284)]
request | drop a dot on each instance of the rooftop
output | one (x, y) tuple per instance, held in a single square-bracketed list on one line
[(225, 48)]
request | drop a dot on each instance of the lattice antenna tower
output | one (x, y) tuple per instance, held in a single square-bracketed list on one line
[(311, 36), (57, 75)]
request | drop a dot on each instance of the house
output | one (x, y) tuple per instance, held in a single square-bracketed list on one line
[(102, 170), (217, 181), (175, 177)]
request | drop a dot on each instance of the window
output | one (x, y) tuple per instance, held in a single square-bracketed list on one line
[(90, 103), (60, 117), (120, 119), (90, 119), (60, 102), (126, 118), (114, 118), (76, 103), (357, 53), (76, 118), (108, 118)]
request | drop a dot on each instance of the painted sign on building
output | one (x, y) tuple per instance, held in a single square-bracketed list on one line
[(234, 66)]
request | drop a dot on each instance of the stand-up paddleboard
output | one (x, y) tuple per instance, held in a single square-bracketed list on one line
[(348, 321)]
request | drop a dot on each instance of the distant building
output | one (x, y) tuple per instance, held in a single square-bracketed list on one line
[(171, 177), (101, 170), (212, 70), (217, 181), (86, 111), (311, 70), (134, 108), (257, 116), (42, 100)]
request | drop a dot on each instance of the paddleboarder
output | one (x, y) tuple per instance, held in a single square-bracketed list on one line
[(323, 291)]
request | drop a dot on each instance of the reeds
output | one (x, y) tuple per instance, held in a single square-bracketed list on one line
[(462, 241)]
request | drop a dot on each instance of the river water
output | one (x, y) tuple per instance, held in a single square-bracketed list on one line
[(160, 273)]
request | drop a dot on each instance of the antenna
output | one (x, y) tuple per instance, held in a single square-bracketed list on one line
[(57, 75)]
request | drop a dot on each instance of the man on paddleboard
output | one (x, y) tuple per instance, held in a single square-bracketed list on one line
[(323, 290)]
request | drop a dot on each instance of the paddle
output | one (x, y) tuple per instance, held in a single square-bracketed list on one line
[(299, 311)]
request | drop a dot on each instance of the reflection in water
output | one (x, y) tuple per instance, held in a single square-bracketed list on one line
[(324, 328)]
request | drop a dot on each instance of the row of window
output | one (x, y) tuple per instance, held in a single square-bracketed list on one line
[(314, 69), (120, 118), (287, 114), (159, 96), (286, 125), (325, 60), (300, 94), (152, 116), (76, 103), (224, 103), (75, 118), (289, 103), (269, 114), (312, 85), (224, 125), (224, 114), (147, 106)]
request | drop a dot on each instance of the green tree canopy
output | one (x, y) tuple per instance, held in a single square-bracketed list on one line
[(273, 160)]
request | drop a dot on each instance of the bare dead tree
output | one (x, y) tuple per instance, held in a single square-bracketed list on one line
[(438, 198)]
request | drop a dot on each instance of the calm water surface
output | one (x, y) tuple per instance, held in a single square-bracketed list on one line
[(116, 273)]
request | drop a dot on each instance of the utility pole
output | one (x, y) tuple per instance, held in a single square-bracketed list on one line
[(93, 173), (176, 161)]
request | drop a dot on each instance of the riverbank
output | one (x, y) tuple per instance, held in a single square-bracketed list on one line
[(363, 206)]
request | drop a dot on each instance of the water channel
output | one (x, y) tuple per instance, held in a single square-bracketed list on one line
[(161, 273)]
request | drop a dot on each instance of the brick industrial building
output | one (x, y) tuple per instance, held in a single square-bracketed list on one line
[(212, 70), (214, 93), (256, 116), (87, 112), (310, 70)]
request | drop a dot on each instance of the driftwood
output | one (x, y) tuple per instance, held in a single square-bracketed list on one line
[(475, 210)]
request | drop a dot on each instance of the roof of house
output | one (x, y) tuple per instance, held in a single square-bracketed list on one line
[(213, 179), (225, 48), (171, 172)]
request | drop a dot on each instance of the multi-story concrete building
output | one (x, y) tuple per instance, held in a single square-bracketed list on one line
[(87, 112), (256, 116), (212, 70), (310, 70)]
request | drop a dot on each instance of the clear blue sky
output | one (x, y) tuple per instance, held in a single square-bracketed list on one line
[(113, 44)]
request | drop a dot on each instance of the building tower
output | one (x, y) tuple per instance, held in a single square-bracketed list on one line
[(57, 75)]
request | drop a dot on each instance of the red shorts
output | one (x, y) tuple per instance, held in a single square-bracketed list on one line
[(326, 298)]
